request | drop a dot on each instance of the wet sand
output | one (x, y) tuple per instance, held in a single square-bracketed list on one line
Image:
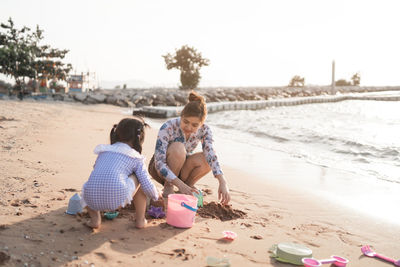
[(46, 155)]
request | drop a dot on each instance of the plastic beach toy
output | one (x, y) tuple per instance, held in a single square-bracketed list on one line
[(224, 262), (290, 253), (74, 205), (367, 251), (229, 235), (156, 212), (335, 260), (199, 198), (181, 210), (111, 215)]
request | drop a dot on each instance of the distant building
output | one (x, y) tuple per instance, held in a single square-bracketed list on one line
[(75, 83), (81, 82)]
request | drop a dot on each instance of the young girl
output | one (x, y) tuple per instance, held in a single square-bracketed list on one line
[(120, 174)]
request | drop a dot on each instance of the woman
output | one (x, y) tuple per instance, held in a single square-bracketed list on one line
[(174, 162)]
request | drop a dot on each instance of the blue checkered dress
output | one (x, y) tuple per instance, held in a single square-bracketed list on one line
[(109, 186)]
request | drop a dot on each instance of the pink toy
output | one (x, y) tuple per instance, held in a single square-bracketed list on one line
[(181, 210), (229, 235), (367, 251), (335, 260)]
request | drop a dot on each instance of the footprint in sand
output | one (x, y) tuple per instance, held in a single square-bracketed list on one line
[(101, 255)]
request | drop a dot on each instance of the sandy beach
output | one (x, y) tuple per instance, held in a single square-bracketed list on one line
[(46, 154)]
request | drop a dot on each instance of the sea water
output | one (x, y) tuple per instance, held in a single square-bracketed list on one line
[(360, 139), (358, 136)]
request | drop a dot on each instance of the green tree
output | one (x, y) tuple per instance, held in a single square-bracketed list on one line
[(297, 81), (16, 55), (22, 57), (188, 61), (356, 78)]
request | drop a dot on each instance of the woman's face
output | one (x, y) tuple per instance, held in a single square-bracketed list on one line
[(190, 125)]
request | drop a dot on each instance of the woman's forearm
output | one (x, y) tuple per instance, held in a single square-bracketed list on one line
[(221, 179)]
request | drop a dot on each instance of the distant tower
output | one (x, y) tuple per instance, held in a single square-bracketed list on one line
[(333, 75)]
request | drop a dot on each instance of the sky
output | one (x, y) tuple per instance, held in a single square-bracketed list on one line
[(248, 42)]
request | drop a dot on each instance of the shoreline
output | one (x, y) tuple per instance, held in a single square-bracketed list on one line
[(49, 153), (342, 188)]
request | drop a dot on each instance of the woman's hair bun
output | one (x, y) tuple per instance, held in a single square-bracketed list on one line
[(193, 96)]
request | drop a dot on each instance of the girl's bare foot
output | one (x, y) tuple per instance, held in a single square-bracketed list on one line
[(95, 218), (140, 223)]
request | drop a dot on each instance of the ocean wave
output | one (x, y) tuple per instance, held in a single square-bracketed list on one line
[(277, 138), (358, 136)]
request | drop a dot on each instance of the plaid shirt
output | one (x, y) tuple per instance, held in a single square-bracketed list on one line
[(109, 185)]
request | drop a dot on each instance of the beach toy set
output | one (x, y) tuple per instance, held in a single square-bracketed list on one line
[(218, 262), (111, 215), (300, 255), (181, 210), (335, 260), (199, 198), (229, 235), (75, 204), (290, 253), (367, 251), (156, 212)]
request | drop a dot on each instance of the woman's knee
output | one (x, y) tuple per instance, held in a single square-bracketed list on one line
[(176, 151)]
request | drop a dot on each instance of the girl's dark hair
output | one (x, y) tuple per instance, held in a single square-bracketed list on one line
[(196, 107), (129, 131)]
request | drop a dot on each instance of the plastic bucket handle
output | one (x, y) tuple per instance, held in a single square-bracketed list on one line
[(183, 204)]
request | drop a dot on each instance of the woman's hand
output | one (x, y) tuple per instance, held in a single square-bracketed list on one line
[(223, 191), (184, 188), (187, 190)]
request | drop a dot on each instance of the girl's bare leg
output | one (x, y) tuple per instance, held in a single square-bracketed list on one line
[(194, 168), (95, 218), (139, 201)]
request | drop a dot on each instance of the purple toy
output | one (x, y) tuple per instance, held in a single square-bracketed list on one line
[(156, 212)]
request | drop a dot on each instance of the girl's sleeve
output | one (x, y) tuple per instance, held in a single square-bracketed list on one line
[(143, 176), (160, 154), (209, 152)]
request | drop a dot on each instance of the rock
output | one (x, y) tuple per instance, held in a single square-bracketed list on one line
[(4, 257), (170, 100), (136, 98), (180, 98), (110, 100), (80, 96), (98, 98), (58, 97)]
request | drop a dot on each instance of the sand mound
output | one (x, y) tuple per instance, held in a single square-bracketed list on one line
[(216, 210)]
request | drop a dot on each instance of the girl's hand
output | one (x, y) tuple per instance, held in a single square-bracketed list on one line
[(160, 197), (223, 191)]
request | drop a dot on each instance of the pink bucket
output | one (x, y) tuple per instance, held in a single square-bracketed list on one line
[(181, 210)]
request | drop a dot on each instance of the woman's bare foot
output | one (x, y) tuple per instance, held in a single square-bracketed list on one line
[(140, 223), (95, 218)]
